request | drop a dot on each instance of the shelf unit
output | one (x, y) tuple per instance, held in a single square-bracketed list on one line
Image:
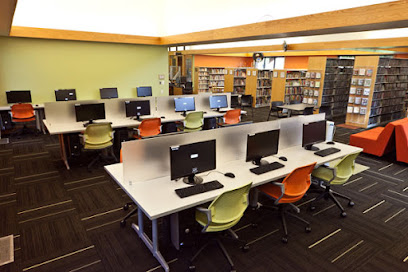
[(311, 87), (263, 88), (336, 86), (295, 80), (239, 80), (216, 80), (202, 79)]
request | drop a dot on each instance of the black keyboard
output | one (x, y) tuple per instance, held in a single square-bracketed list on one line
[(266, 168), (199, 188), (327, 151)]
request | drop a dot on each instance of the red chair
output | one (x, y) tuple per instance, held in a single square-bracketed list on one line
[(232, 117), (287, 192), (148, 127), (401, 142), (22, 113), (377, 141)]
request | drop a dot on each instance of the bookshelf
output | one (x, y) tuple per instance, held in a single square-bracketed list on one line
[(311, 87), (295, 80), (263, 88), (216, 80), (202, 79), (239, 80)]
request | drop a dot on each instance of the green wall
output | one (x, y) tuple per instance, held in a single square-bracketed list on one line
[(45, 65)]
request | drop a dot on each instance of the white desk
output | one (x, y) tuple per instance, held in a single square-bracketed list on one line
[(295, 107), (156, 198), (39, 115)]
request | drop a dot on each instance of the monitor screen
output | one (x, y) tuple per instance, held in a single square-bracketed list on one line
[(18, 97), (314, 133), (190, 159), (107, 93), (184, 104), (137, 108), (144, 91), (65, 94), (218, 101), (262, 144), (87, 112)]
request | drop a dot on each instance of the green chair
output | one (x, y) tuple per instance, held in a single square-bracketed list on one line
[(194, 121), (338, 174), (222, 214), (99, 137)]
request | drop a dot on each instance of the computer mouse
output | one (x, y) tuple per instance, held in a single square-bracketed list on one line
[(230, 175), (330, 142), (283, 158), (163, 117)]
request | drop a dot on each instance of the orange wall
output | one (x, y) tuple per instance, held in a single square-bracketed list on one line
[(296, 62), (220, 61), (401, 56)]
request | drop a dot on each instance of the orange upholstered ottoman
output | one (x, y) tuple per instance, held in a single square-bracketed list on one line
[(401, 142)]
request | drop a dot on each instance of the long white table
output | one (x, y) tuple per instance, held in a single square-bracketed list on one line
[(39, 109), (156, 198), (295, 107)]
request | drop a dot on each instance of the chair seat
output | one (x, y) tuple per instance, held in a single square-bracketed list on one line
[(275, 192), (23, 120), (371, 134), (192, 129), (323, 173), (98, 146), (201, 218)]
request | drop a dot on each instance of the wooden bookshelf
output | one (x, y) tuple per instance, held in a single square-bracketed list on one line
[(240, 75), (263, 88), (293, 86), (216, 81), (201, 80)]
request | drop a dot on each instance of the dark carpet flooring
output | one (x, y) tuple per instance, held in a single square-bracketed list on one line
[(69, 220)]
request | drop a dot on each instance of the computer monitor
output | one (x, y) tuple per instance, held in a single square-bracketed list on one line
[(218, 101), (89, 112), (262, 144), (313, 133), (108, 93), (188, 160), (65, 94), (144, 91), (18, 97), (184, 104), (137, 108)]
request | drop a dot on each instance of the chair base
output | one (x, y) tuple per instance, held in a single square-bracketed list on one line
[(330, 194), (103, 157), (132, 212), (25, 130)]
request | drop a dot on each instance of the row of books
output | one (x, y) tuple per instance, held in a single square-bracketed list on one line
[(337, 77), (337, 98), (217, 71), (203, 78), (336, 84), (239, 90), (308, 92), (391, 78), (263, 92), (358, 100), (217, 77), (392, 70), (385, 110), (264, 83), (339, 62), (311, 83), (337, 91), (217, 84), (239, 81), (361, 82), (357, 110), (390, 87), (263, 73), (339, 70), (289, 98), (309, 100), (263, 101), (363, 72), (316, 75), (294, 83), (387, 95), (240, 73), (293, 90), (393, 62), (386, 102), (295, 74), (360, 91)]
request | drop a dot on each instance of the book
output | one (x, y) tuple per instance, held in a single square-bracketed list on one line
[(311, 92), (364, 102), (312, 75), (312, 83), (351, 99), (307, 74), (315, 102), (357, 101), (352, 90), (304, 100), (359, 91), (354, 81), (367, 82), (369, 72), (349, 109), (361, 72), (363, 110), (356, 110), (366, 91), (355, 72), (316, 93), (317, 84), (310, 101), (360, 81), (318, 75)]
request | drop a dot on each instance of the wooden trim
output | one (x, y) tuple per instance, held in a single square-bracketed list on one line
[(57, 34), (372, 17), (7, 9)]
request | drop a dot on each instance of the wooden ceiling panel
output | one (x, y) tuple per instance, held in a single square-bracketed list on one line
[(7, 8)]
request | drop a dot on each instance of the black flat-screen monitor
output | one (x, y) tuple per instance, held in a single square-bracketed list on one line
[(183, 104), (313, 133), (144, 91), (65, 94), (262, 144), (18, 97), (89, 112), (137, 108), (218, 101), (188, 160), (108, 93)]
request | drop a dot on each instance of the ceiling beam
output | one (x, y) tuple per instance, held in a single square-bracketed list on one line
[(373, 17), (57, 34), (7, 8)]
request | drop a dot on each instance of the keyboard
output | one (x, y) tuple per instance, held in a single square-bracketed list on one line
[(327, 151), (198, 189), (266, 168)]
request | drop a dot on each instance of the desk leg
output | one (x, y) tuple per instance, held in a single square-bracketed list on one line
[(152, 246), (174, 230), (253, 198), (289, 113), (63, 150)]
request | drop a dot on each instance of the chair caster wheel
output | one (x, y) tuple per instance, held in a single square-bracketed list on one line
[(192, 268), (245, 248), (254, 225), (308, 229), (123, 223), (351, 203), (285, 240), (343, 214), (312, 208), (126, 207)]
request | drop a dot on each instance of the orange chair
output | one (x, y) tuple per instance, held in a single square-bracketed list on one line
[(148, 127), (22, 113), (401, 142), (290, 190), (232, 117), (377, 141)]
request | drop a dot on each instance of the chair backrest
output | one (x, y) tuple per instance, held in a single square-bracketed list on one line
[(327, 110), (234, 101), (232, 116), (344, 168), (246, 99), (401, 142), (22, 111), (386, 139), (194, 119), (150, 127), (275, 104), (230, 205), (308, 111), (298, 182), (99, 133)]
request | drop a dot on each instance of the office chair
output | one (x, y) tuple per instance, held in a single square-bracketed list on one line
[(23, 113), (99, 137), (188, 88), (148, 127), (274, 108), (235, 101), (292, 102), (246, 101), (308, 110), (231, 117), (328, 111), (287, 192), (336, 175), (221, 215), (194, 121)]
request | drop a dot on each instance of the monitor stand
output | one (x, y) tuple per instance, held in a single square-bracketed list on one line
[(137, 117), (260, 162), (311, 148), (193, 179), (184, 113), (88, 123)]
